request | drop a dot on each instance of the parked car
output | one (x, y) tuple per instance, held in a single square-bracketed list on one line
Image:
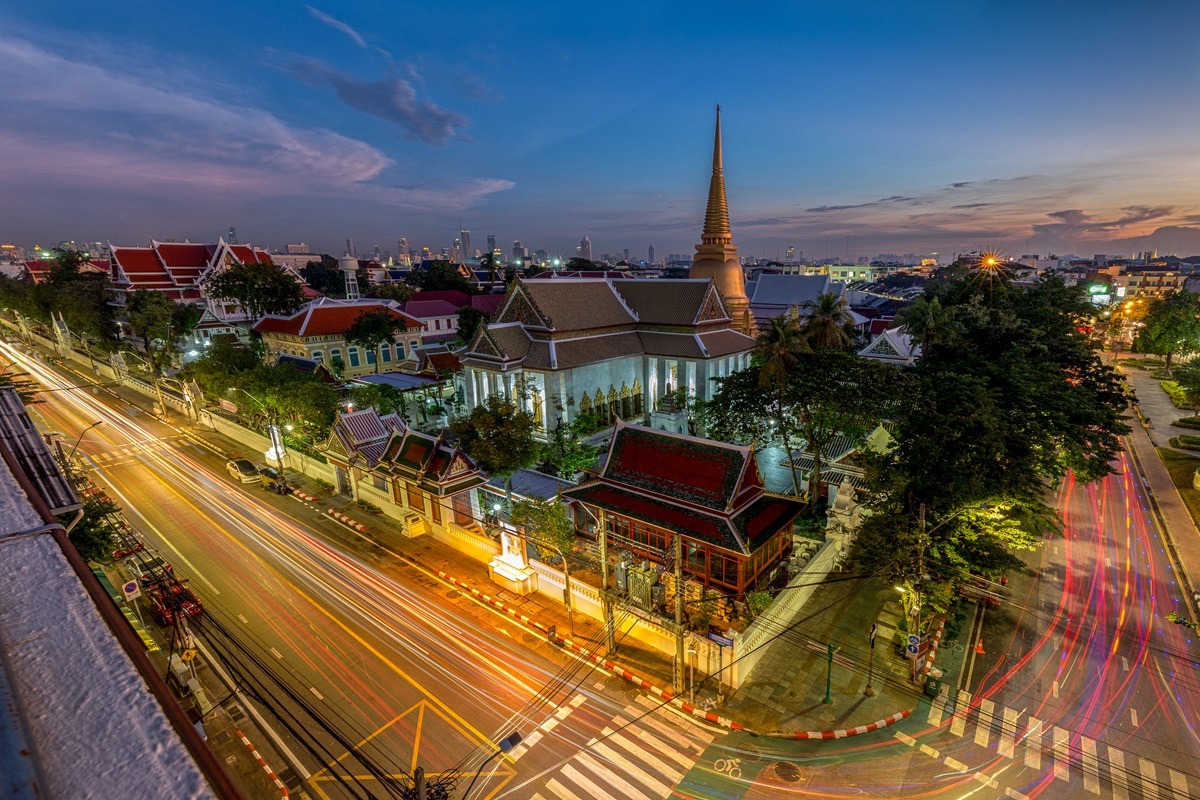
[(167, 599), (242, 469), (128, 547), (269, 477)]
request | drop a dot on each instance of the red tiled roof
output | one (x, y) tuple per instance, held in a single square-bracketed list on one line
[(186, 255), (39, 271), (328, 318), (142, 267), (487, 303), (459, 299), (427, 309)]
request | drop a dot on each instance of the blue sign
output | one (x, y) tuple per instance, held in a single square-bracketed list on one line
[(912, 649), (721, 640), (913, 640)]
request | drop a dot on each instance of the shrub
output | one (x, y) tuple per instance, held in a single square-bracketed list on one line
[(1185, 442), (758, 602), (1188, 422), (1179, 398), (370, 508), (323, 485)]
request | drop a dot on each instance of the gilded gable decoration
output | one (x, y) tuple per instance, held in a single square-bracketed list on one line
[(712, 308), (522, 309)]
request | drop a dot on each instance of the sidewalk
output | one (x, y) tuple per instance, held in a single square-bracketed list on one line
[(1157, 407)]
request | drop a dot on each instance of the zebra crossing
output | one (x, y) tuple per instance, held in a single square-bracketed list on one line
[(128, 455), (644, 760), (1042, 746)]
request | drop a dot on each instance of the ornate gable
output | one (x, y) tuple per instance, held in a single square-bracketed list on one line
[(883, 347), (712, 308), (485, 345), (336, 446), (521, 308), (459, 465)]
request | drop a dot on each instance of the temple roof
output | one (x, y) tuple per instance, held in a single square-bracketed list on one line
[(329, 316)]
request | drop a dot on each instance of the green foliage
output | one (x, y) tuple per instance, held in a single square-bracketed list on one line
[(1180, 397), (368, 507), (258, 288), (1185, 442), (566, 453), (498, 436), (758, 602), (399, 291), (324, 276), (927, 322), (546, 520), (222, 365), (1171, 326), (95, 534), (575, 263), (323, 485), (386, 399), (289, 396), (371, 329), (828, 324), (469, 320), (441, 275), (1187, 379), (160, 323), (1188, 422)]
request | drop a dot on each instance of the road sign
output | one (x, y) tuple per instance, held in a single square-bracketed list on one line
[(874, 630), (131, 590), (724, 641), (912, 650), (913, 640)]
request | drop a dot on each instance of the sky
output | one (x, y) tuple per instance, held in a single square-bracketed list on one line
[(851, 127)]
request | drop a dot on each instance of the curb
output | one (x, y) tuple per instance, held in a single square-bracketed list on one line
[(933, 647), (310, 498), (662, 694), (342, 518), (283, 790)]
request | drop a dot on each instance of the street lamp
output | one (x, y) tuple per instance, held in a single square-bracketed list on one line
[(70, 455), (505, 744), (278, 449)]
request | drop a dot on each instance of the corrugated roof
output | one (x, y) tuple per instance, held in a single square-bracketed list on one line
[(573, 304), (675, 302), (33, 454)]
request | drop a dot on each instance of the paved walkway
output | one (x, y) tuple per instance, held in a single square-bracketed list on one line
[(1156, 405)]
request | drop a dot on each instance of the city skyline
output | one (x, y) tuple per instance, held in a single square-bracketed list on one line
[(848, 132)]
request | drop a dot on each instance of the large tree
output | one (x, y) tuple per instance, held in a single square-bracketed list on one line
[(324, 276), (440, 275), (779, 344), (828, 324), (926, 321), (371, 329), (469, 320), (258, 288), (1002, 409), (221, 365), (499, 436), (547, 521), (159, 323), (399, 291), (1171, 326)]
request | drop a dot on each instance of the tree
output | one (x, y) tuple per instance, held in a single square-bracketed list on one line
[(469, 320), (258, 288), (777, 348), (371, 329), (567, 453), (160, 323), (577, 264), (385, 399), (1188, 377), (324, 276), (222, 365), (927, 322), (440, 276), (499, 437), (1171, 326), (828, 325), (488, 261), (95, 533), (397, 290), (546, 520)]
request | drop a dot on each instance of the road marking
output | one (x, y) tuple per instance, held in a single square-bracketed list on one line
[(955, 764), (936, 709), (983, 725), (1033, 744), (961, 705), (1062, 753), (1117, 773), (243, 619), (1179, 785), (559, 790), (276, 653), (629, 768), (1133, 716), (1125, 663), (1014, 794), (1008, 732), (929, 751), (1149, 779), (1107, 561), (986, 780), (1091, 769), (654, 742), (1054, 689), (589, 787), (904, 737), (577, 701), (318, 695), (630, 747)]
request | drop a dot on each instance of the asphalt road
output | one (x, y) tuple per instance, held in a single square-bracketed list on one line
[(376, 666)]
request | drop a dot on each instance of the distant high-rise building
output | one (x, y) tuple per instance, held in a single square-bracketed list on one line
[(541, 256), (378, 255), (585, 248), (789, 257), (650, 256), (403, 256), (297, 249), (455, 253), (491, 243), (350, 250), (626, 252), (233, 235), (464, 236), (518, 250)]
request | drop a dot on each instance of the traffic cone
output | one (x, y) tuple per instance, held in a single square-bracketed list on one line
[(979, 646)]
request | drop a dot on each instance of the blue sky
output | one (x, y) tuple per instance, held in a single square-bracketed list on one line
[(850, 127)]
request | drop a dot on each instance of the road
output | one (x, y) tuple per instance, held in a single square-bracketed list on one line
[(397, 672)]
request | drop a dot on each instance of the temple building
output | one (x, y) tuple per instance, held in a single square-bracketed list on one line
[(716, 255)]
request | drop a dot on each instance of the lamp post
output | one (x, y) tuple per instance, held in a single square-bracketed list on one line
[(74, 447), (505, 744), (278, 449), (566, 577)]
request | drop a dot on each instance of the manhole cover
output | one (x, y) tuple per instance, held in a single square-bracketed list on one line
[(528, 637), (787, 771), (453, 594)]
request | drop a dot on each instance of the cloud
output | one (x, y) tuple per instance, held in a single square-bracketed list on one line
[(99, 128), (394, 100), (339, 26), (896, 198), (1075, 224)]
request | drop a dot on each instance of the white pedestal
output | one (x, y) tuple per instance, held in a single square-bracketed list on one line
[(517, 578)]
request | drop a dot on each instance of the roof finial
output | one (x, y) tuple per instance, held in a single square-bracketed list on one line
[(716, 217)]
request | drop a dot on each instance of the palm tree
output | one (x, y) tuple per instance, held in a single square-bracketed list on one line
[(926, 321), (777, 348), (826, 327)]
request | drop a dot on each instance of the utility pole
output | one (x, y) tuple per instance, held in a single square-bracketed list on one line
[(916, 609), (870, 690), (679, 614), (828, 674), (605, 600)]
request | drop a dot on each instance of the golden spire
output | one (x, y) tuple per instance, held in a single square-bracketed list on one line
[(716, 217)]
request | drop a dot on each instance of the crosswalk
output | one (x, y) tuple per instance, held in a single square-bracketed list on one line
[(1101, 768), (128, 455), (644, 760)]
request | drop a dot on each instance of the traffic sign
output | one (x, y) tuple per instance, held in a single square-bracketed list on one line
[(912, 650), (131, 590), (913, 640)]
